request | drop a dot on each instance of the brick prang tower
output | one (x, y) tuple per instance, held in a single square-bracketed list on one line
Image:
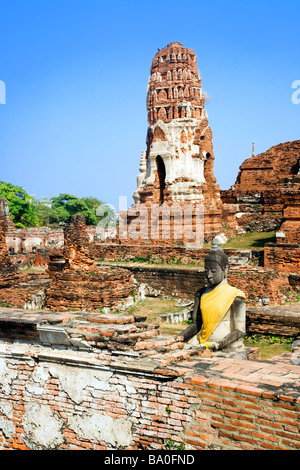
[(178, 162)]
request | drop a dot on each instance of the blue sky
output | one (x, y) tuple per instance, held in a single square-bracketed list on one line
[(76, 75)]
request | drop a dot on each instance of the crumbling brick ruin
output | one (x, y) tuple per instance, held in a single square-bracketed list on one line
[(109, 382), (266, 197), (16, 288), (5, 216), (266, 186), (91, 380), (6, 265), (78, 371), (9, 274), (80, 284)]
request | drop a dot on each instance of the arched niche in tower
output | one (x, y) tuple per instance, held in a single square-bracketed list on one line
[(170, 112), (159, 134), (161, 173), (162, 114), (198, 113), (183, 137), (162, 94)]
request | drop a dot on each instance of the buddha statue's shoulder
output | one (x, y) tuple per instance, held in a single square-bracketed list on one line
[(201, 291), (238, 293)]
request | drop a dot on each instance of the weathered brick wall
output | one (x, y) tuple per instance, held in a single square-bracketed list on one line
[(31, 239), (160, 281), (37, 260), (257, 283), (262, 283), (168, 254), (242, 416), (63, 399), (28, 293), (68, 291), (284, 257), (291, 224), (279, 320), (28, 240)]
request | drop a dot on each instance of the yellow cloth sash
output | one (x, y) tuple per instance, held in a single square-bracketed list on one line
[(214, 305)]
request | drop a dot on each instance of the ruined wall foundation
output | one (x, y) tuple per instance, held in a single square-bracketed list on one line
[(63, 399)]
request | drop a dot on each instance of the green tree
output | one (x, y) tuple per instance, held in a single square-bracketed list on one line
[(92, 202), (104, 212), (53, 212), (20, 205), (49, 216), (66, 205)]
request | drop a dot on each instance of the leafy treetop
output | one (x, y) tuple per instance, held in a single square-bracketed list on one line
[(26, 211)]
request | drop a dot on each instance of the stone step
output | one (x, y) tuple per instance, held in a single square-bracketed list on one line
[(157, 342), (160, 349), (175, 356), (133, 338), (109, 331), (106, 332), (111, 318)]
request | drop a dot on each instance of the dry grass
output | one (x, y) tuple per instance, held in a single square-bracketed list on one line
[(32, 270), (249, 241), (153, 308)]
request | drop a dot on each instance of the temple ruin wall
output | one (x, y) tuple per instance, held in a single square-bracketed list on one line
[(64, 399)]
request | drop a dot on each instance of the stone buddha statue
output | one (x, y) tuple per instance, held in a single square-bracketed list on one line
[(219, 312)]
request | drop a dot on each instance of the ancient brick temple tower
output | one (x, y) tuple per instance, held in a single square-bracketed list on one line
[(177, 165)]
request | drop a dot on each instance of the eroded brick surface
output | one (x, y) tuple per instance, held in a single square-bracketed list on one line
[(79, 283), (177, 165), (266, 192), (71, 397)]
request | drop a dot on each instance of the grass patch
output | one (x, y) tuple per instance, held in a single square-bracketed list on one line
[(269, 346), (249, 241), (152, 308), (255, 241)]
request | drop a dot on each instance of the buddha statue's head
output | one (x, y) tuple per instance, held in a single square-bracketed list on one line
[(216, 266)]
